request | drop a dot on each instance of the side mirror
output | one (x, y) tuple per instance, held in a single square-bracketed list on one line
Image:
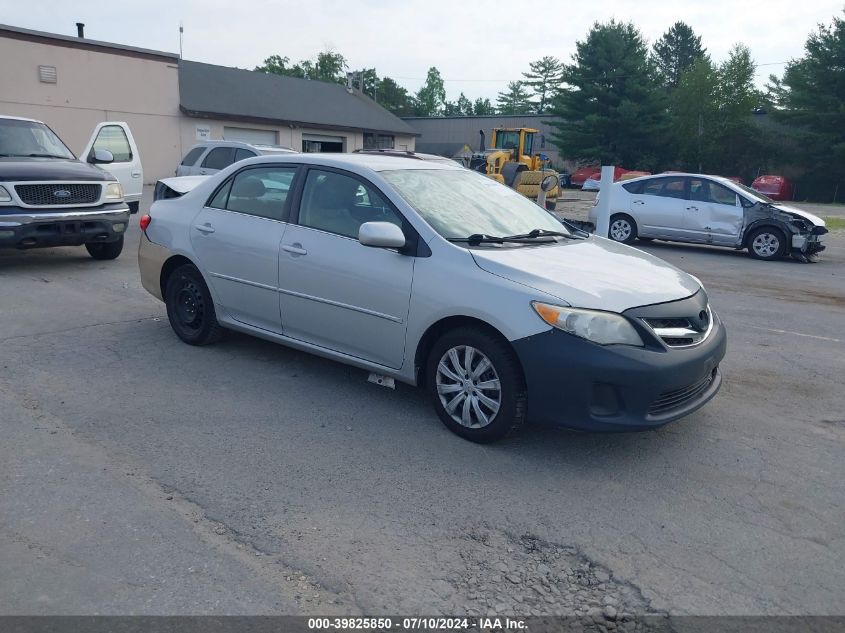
[(101, 156), (381, 235), (549, 183)]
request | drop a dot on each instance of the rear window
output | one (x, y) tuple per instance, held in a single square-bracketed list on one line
[(192, 156), (243, 154)]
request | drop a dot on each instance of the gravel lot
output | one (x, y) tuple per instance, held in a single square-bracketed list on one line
[(141, 475)]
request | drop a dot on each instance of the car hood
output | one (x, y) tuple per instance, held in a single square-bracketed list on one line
[(816, 220), (593, 273), (15, 169)]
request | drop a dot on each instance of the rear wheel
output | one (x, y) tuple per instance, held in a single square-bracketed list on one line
[(190, 308), (622, 228), (105, 250), (476, 385), (767, 243)]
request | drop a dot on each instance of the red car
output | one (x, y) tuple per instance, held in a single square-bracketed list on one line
[(775, 187), (594, 173)]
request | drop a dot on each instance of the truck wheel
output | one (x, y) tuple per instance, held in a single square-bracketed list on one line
[(766, 243), (190, 308), (622, 228), (105, 250), (476, 385)]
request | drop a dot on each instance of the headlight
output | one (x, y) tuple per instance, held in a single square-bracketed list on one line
[(604, 328), (114, 191), (4, 195)]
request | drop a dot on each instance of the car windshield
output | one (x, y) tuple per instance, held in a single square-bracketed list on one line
[(755, 194), (29, 138), (460, 203)]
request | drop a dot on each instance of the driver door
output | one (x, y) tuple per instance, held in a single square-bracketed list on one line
[(335, 292)]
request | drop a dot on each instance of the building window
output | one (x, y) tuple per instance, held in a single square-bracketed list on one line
[(378, 141)]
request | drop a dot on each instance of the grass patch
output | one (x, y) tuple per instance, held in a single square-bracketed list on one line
[(835, 223)]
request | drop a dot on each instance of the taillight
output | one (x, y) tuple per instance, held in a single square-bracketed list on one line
[(145, 221)]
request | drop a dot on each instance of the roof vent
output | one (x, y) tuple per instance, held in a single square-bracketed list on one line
[(47, 74), (80, 30)]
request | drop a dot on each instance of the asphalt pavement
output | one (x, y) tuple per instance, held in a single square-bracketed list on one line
[(142, 475)]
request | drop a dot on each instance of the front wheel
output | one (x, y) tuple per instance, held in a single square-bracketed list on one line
[(622, 228), (476, 385), (767, 243), (105, 250), (190, 308)]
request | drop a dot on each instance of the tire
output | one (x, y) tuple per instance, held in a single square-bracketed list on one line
[(532, 177), (622, 228), (767, 243), (105, 250), (529, 191), (478, 420), (190, 308)]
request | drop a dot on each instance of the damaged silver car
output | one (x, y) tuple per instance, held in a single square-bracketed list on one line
[(701, 209)]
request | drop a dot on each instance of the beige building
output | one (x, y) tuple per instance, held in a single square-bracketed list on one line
[(73, 83)]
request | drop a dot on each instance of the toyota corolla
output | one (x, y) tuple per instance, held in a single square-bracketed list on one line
[(439, 277)]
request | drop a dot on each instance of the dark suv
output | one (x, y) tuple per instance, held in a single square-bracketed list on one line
[(50, 198)]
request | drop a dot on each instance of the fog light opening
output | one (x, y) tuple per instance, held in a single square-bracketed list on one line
[(605, 400)]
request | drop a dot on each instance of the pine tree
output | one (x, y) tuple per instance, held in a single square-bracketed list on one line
[(544, 81), (676, 51), (515, 100)]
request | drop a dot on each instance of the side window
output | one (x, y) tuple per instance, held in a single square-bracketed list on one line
[(262, 191), (528, 149), (219, 158), (721, 194), (113, 138), (634, 187), (672, 188), (192, 156), (243, 154), (340, 204), (653, 187), (222, 196)]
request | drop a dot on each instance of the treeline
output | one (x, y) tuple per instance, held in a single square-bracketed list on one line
[(668, 106)]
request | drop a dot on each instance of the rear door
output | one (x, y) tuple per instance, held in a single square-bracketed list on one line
[(236, 238), (660, 206), (116, 137)]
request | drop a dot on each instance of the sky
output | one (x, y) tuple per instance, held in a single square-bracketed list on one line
[(478, 46)]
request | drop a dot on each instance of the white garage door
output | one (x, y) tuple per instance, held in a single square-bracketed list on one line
[(250, 135)]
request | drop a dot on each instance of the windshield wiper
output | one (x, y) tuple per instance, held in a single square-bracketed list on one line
[(533, 235), (478, 238), (42, 155)]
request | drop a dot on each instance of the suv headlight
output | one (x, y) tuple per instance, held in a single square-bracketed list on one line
[(604, 328), (4, 195), (114, 191)]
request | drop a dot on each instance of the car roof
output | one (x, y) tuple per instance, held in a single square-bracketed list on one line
[(259, 146), (374, 162), (675, 174), (20, 118)]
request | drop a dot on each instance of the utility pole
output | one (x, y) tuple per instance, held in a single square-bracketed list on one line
[(700, 134)]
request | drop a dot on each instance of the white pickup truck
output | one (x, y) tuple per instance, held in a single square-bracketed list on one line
[(48, 197)]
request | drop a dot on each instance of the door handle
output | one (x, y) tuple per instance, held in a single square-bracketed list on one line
[(204, 228), (638, 202), (136, 174), (692, 208), (294, 249)]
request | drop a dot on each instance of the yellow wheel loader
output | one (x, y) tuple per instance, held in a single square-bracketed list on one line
[(511, 160)]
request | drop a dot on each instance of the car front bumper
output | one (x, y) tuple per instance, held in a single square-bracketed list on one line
[(31, 228), (578, 384)]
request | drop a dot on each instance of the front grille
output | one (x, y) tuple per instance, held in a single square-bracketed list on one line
[(58, 193), (682, 331), (669, 400)]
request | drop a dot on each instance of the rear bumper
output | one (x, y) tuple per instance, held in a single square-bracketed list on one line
[(28, 228), (151, 259), (578, 384)]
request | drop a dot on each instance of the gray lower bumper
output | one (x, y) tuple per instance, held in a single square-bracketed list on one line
[(24, 228)]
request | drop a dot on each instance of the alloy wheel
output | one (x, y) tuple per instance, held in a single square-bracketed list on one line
[(766, 245), (620, 230)]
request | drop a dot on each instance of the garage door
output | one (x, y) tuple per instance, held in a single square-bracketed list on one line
[(320, 143), (250, 135)]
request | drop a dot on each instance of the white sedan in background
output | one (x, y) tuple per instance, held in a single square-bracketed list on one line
[(703, 209)]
